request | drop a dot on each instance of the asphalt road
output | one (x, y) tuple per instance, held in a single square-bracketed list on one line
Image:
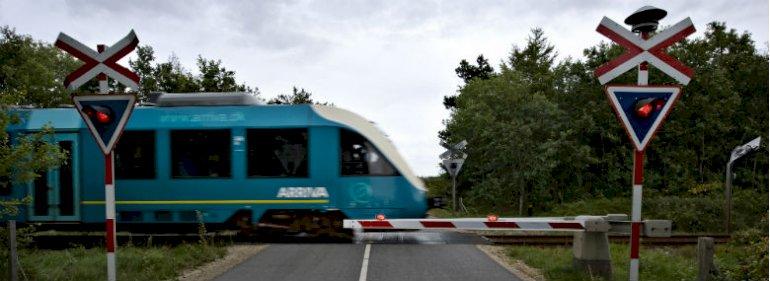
[(386, 261)]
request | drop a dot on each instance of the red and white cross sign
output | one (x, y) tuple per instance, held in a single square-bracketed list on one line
[(638, 50), (96, 63)]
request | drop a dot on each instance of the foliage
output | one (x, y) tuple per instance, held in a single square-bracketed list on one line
[(746, 257), (31, 74), (540, 132), (482, 70), (438, 186), (691, 214), (525, 135), (171, 77), (134, 263), (297, 96)]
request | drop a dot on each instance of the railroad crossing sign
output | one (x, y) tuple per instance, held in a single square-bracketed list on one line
[(642, 109), (99, 62), (105, 116), (453, 166), (453, 160), (455, 151), (640, 50)]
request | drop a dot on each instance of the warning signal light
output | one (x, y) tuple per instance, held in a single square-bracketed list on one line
[(492, 217), (380, 217), (100, 114), (645, 107)]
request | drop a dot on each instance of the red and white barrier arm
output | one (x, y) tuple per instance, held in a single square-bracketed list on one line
[(580, 223)]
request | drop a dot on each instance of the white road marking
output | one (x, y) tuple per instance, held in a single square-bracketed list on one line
[(365, 263)]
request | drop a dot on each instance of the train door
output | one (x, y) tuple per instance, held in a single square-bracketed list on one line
[(55, 194)]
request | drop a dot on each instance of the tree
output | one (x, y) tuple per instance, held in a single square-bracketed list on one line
[(215, 78), (31, 74), (482, 70), (298, 96), (520, 145), (171, 77), (467, 72), (576, 149)]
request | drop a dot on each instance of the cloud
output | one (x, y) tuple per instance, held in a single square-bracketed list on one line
[(390, 61)]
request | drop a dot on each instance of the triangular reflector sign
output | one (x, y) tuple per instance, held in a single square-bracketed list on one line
[(642, 109), (105, 116), (453, 166)]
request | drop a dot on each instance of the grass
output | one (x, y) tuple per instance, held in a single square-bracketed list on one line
[(657, 263), (134, 263)]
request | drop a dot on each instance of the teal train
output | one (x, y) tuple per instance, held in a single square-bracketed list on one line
[(224, 160)]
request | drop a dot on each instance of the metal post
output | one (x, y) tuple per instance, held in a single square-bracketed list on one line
[(454, 194), (103, 86), (13, 255), (109, 191), (636, 214), (728, 195), (636, 201), (109, 205)]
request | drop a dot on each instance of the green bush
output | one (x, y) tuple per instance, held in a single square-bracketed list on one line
[(746, 256), (692, 214)]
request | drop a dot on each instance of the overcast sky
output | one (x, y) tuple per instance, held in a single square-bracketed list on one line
[(390, 61)]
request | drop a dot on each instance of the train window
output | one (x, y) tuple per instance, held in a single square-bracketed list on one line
[(135, 155), (361, 157), (277, 153), (200, 153)]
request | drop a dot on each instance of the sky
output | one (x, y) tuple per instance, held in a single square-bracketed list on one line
[(389, 61)]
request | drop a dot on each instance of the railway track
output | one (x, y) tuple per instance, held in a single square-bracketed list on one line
[(674, 240), (57, 240)]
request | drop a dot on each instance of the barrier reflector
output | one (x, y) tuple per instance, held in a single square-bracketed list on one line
[(437, 224), (501, 224)]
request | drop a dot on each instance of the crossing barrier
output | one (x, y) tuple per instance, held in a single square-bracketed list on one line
[(590, 247)]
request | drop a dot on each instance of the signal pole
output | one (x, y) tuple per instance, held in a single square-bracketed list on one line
[(105, 115), (641, 109), (642, 79), (109, 191)]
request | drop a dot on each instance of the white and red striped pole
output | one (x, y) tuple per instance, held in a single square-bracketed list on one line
[(109, 192), (636, 200), (109, 206)]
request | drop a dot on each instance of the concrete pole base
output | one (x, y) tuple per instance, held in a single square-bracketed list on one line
[(591, 253)]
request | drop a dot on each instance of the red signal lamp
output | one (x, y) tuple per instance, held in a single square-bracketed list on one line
[(100, 114), (492, 217), (380, 217), (645, 107)]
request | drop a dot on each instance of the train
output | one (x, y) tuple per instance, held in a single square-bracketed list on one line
[(226, 160)]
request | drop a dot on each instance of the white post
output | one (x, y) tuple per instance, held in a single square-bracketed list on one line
[(103, 86), (109, 206)]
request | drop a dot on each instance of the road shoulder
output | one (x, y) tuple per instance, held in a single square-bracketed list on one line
[(516, 267), (236, 254)]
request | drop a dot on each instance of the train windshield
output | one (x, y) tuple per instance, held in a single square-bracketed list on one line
[(361, 157)]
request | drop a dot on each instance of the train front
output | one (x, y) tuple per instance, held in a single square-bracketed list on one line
[(374, 179)]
